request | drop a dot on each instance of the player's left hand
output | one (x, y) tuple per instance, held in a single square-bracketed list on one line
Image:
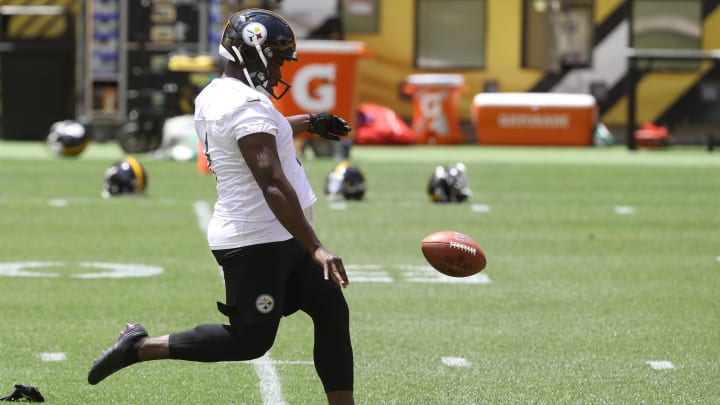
[(332, 266), (328, 126)]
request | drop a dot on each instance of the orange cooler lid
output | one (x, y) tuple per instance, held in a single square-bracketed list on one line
[(436, 79), (534, 100), (331, 47)]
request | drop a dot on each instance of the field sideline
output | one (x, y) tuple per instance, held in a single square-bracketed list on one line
[(601, 287)]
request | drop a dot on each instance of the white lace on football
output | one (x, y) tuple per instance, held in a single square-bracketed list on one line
[(463, 247)]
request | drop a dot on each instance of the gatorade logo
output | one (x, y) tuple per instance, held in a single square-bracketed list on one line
[(314, 87), (432, 111)]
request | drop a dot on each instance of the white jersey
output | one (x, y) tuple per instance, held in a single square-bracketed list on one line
[(225, 111)]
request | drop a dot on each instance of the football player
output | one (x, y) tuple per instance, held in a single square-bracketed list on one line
[(261, 230)]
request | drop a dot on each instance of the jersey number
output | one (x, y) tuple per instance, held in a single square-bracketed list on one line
[(206, 153)]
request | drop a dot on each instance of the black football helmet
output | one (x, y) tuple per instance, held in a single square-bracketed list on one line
[(126, 176), (449, 184), (345, 182), (259, 40), (68, 138)]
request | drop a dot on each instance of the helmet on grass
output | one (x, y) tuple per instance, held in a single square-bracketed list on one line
[(125, 177), (68, 138), (345, 181), (449, 184)]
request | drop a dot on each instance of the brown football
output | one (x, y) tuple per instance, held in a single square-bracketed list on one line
[(453, 253)]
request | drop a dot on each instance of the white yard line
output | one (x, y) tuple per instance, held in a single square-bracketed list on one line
[(480, 208), (53, 356), (270, 386), (203, 212), (269, 380), (624, 210), (456, 362), (661, 365)]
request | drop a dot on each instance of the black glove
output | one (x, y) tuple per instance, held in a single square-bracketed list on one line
[(328, 126), (24, 392)]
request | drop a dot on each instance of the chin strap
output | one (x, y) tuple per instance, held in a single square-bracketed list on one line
[(264, 78), (260, 87), (242, 63)]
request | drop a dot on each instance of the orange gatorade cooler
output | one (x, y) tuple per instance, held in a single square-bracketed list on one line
[(201, 161), (549, 119), (323, 79), (435, 107)]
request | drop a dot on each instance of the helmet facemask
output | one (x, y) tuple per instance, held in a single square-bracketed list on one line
[(259, 40)]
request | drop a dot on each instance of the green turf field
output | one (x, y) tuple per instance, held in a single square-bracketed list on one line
[(602, 284)]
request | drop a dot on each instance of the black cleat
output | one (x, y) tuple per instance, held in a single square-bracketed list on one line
[(122, 354)]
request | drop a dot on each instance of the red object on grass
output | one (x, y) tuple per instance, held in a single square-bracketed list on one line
[(651, 135), (379, 125)]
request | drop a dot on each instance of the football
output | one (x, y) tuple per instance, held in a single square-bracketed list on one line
[(453, 253)]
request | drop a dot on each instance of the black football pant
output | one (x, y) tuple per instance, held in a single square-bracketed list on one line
[(263, 283)]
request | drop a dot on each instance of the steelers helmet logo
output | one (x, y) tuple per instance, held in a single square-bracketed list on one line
[(265, 303), (254, 33)]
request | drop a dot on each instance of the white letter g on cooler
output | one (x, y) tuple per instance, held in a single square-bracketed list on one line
[(323, 96)]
